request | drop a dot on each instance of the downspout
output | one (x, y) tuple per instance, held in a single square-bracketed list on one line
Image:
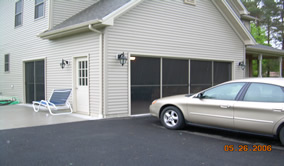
[(102, 112)]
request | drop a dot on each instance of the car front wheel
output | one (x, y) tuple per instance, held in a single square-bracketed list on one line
[(281, 135), (172, 118)]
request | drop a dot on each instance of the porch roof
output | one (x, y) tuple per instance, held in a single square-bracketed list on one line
[(264, 50)]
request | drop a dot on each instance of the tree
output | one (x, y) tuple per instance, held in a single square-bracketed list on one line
[(259, 34), (267, 14), (269, 17), (279, 31)]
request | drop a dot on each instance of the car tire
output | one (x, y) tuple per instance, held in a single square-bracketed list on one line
[(172, 118), (281, 135)]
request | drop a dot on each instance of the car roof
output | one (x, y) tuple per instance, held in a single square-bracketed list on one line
[(275, 81)]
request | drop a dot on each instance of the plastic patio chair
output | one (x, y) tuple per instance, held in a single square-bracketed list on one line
[(58, 98)]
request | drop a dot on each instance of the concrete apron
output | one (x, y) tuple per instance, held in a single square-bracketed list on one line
[(23, 115)]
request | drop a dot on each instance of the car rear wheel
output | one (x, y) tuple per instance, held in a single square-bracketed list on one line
[(172, 118), (281, 135)]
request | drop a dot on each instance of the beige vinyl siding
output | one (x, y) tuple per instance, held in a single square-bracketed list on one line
[(22, 44), (167, 29), (80, 45), (64, 9)]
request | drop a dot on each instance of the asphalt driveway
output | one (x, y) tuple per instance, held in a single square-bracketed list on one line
[(129, 141)]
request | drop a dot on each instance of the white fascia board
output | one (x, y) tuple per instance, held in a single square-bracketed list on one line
[(109, 19), (66, 30), (240, 6), (234, 21)]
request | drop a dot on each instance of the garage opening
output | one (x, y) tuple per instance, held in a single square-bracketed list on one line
[(145, 83)]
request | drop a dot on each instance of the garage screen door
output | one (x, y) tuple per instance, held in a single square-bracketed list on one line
[(145, 83), (204, 74)]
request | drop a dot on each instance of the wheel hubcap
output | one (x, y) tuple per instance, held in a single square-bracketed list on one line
[(171, 118)]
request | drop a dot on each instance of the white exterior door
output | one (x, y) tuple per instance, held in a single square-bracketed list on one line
[(82, 86)]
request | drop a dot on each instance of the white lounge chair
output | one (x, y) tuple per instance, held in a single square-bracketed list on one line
[(58, 99)]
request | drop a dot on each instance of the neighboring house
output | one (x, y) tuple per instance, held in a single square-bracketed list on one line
[(171, 46)]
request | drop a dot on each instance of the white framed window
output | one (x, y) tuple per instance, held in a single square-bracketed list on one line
[(191, 2), (7, 63), (19, 13), (39, 8)]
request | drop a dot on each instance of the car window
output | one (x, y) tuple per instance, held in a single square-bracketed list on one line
[(224, 92), (259, 92)]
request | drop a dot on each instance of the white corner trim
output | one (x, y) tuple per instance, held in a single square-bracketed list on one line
[(109, 19)]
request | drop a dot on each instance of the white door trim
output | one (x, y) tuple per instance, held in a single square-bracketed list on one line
[(74, 70), (24, 75)]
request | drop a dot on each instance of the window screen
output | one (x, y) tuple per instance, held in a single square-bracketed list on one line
[(200, 75), (175, 77), (145, 83), (222, 72), (204, 74)]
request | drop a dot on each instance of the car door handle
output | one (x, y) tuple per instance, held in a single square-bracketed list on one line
[(225, 106), (278, 110)]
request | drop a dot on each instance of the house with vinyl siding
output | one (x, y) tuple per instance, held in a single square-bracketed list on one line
[(169, 47)]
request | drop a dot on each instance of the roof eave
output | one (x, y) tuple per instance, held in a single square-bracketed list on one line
[(234, 21), (264, 51), (68, 30), (106, 21), (109, 19)]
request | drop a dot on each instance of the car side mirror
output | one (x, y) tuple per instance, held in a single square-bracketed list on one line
[(200, 96)]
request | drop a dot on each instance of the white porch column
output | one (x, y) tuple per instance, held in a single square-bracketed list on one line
[(260, 65), (280, 66)]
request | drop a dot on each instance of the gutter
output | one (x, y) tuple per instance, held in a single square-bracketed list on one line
[(248, 17), (102, 113)]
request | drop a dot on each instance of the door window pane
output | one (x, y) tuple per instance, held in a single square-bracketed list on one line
[(224, 92), (258, 92), (82, 73)]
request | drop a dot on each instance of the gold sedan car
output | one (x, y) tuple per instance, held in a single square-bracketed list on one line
[(254, 105)]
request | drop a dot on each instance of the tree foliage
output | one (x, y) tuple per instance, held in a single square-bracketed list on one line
[(270, 16), (259, 34)]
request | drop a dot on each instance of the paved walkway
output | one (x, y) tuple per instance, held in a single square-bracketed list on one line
[(22, 115)]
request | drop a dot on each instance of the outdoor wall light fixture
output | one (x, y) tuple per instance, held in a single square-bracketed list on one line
[(64, 63), (122, 58), (242, 65)]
